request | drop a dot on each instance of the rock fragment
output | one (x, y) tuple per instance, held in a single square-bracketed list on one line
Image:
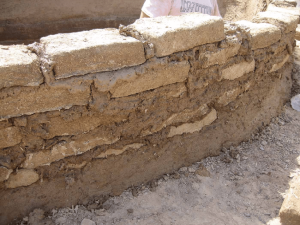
[(290, 209), (24, 177), (87, 222), (4, 173)]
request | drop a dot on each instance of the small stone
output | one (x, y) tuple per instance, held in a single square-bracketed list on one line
[(264, 143), (203, 172), (224, 150), (130, 211), (4, 173), (290, 209), (5, 161), (247, 214), (134, 192), (93, 206), (176, 175), (238, 158), (166, 178), (9, 136), (279, 144), (183, 169), (61, 220), (233, 153), (153, 184), (24, 177), (106, 206), (191, 170), (295, 101), (87, 222), (298, 160), (226, 159), (261, 148), (100, 212)]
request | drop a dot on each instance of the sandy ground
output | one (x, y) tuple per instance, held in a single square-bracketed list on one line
[(246, 185)]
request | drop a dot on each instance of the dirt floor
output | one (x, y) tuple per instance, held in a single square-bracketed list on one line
[(246, 185)]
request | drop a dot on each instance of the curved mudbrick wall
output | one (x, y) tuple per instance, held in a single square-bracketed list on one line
[(92, 113)]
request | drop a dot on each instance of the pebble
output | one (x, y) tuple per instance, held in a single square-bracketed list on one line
[(135, 192), (238, 158), (203, 172), (87, 222), (93, 206), (183, 169), (100, 212), (130, 211), (261, 148), (247, 214), (191, 170), (298, 160), (264, 143), (295, 101), (61, 220), (176, 176), (279, 144)]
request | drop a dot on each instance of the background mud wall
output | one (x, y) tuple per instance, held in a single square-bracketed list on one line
[(92, 113), (27, 21)]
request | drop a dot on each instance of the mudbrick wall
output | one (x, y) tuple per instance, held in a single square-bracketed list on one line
[(92, 113)]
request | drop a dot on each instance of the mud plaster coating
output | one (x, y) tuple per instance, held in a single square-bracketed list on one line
[(99, 133)]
